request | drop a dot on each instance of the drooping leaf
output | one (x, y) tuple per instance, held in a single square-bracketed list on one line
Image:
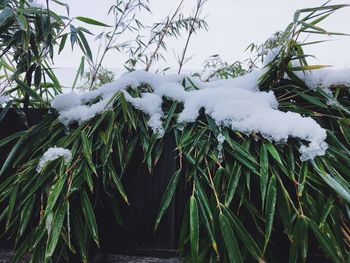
[(270, 209), (56, 229), (194, 229), (234, 253), (167, 197), (89, 216)]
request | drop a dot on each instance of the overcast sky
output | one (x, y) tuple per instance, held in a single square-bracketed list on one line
[(233, 25)]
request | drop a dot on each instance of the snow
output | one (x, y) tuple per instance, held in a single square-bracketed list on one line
[(324, 78), (35, 4), (235, 103), (4, 99), (52, 154), (271, 54)]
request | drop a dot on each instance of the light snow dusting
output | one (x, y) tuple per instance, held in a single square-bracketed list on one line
[(236, 103), (52, 154)]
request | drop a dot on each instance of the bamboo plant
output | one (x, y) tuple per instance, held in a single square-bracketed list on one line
[(246, 198)]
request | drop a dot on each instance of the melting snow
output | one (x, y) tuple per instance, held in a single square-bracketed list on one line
[(236, 103), (52, 154)]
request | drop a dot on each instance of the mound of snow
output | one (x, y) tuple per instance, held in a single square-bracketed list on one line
[(236, 103), (52, 154)]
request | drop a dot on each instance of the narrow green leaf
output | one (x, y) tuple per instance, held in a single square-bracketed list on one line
[(73, 35), (56, 230), (11, 155), (88, 178), (87, 151), (325, 243), (11, 204), (55, 192), (22, 21), (12, 137), (26, 214), (232, 248), (243, 234), (63, 42), (117, 182), (344, 125), (167, 197), (299, 234), (86, 45), (232, 183), (28, 90), (4, 111), (207, 223), (238, 148), (302, 177), (340, 189), (89, 216), (270, 209), (312, 99), (264, 175), (274, 153), (194, 229), (91, 21)]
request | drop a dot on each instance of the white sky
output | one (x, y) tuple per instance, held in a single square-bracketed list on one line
[(233, 25)]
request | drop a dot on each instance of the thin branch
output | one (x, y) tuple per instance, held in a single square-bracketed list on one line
[(192, 30)]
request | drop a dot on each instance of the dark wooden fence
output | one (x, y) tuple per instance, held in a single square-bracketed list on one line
[(145, 191)]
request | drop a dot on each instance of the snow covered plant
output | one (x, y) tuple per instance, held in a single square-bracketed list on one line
[(30, 34), (265, 158), (52, 154)]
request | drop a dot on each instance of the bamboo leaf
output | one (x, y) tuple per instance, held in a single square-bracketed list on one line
[(243, 234), (27, 90), (11, 155), (232, 248), (302, 177), (167, 197), (87, 151), (87, 49), (11, 205), (344, 125), (89, 216), (117, 182), (55, 192), (63, 42), (90, 21), (270, 209), (232, 183), (194, 229), (22, 21), (299, 235), (340, 189), (207, 223), (56, 230), (325, 243), (264, 175)]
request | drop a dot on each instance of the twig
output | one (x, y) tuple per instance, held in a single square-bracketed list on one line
[(200, 4), (164, 30)]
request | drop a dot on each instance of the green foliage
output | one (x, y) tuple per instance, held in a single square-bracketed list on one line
[(246, 199), (30, 35)]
